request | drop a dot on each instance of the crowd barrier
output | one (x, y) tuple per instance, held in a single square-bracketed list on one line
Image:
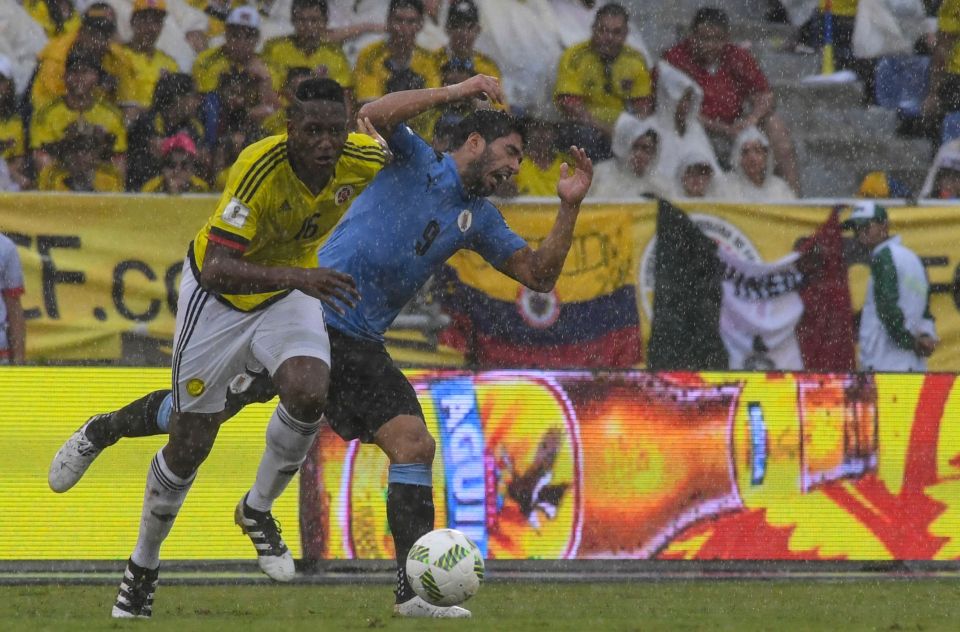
[(536, 465)]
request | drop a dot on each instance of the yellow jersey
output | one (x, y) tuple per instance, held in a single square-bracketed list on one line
[(136, 87), (281, 54), (582, 73), (208, 67), (49, 124), (156, 185), (55, 178), (52, 63), (842, 8), (41, 14), (948, 21), (270, 216), (372, 73), (481, 63), (532, 180), (11, 129)]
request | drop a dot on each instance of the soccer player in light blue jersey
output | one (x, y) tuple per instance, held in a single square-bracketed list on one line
[(416, 213), (419, 210)]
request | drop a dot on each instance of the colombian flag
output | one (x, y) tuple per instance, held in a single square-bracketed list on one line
[(589, 320)]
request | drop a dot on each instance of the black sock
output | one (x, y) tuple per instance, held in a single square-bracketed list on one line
[(410, 514), (136, 419)]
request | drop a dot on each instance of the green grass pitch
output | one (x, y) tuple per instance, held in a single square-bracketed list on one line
[(513, 607)]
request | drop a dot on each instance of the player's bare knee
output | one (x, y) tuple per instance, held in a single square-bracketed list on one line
[(304, 404)]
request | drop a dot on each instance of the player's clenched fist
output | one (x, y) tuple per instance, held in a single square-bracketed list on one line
[(477, 86), (336, 289)]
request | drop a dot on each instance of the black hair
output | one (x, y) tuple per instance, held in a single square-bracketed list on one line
[(77, 60), (319, 89), (299, 5), (490, 124), (170, 88), (711, 15), (396, 5), (296, 71), (613, 9)]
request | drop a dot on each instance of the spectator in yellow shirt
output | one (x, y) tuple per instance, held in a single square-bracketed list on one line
[(238, 54), (396, 63), (11, 127), (463, 28), (307, 47), (178, 171), (91, 39), (81, 102), (82, 162), (600, 78), (57, 17), (540, 169), (145, 61)]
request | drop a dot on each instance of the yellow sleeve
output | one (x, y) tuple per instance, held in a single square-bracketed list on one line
[(370, 74), (43, 127), (206, 71), (50, 179), (486, 66), (112, 121), (642, 85), (235, 221), (362, 156), (948, 18), (423, 63), (338, 68), (568, 75), (12, 129), (153, 185)]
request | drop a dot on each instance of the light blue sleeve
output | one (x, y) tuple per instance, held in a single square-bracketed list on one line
[(408, 147), (494, 240)]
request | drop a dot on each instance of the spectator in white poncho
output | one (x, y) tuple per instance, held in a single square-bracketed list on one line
[(752, 178), (943, 178), (632, 172), (699, 176)]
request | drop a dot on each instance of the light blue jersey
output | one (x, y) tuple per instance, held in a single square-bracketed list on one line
[(412, 218)]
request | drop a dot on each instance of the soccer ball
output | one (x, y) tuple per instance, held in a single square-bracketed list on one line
[(445, 567)]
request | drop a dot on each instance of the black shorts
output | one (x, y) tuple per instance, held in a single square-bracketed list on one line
[(366, 389)]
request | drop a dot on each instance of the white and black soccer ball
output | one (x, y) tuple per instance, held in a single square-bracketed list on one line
[(445, 567)]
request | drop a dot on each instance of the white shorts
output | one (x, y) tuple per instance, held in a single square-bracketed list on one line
[(214, 342)]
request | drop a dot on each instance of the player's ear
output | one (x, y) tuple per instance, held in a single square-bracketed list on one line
[(476, 143)]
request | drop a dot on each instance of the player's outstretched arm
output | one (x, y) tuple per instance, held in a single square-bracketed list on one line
[(225, 272), (394, 108), (539, 269)]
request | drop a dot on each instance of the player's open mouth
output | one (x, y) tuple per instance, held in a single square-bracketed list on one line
[(499, 177)]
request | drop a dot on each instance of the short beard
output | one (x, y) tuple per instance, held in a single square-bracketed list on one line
[(473, 177)]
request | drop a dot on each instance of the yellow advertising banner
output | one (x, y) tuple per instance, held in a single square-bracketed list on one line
[(98, 267), (534, 465)]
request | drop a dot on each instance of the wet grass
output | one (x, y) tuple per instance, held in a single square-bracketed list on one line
[(640, 606)]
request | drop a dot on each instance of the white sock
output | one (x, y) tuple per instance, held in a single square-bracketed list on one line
[(162, 500), (288, 441)]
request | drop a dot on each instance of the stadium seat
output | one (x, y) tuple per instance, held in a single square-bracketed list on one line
[(951, 127), (901, 83)]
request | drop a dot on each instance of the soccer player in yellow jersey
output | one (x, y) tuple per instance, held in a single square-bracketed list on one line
[(251, 294)]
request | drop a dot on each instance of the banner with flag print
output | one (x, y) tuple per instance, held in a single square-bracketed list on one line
[(590, 319), (714, 309)]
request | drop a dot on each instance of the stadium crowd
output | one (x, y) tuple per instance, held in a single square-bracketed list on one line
[(159, 96)]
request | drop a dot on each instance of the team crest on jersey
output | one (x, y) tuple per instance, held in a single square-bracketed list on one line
[(465, 220), (538, 309), (195, 387), (344, 193), (235, 213)]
